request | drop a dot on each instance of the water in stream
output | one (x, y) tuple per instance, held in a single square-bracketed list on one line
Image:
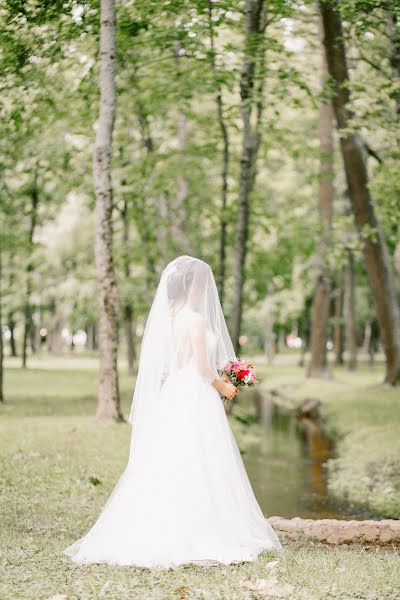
[(285, 463)]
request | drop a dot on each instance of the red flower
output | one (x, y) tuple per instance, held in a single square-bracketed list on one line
[(242, 374)]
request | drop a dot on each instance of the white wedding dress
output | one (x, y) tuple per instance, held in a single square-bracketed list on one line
[(185, 496)]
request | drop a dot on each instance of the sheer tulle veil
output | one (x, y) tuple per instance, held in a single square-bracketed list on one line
[(186, 284), (184, 496)]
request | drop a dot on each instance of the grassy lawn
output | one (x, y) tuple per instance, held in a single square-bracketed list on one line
[(363, 416), (58, 468)]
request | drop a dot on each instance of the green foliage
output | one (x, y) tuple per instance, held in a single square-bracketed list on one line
[(167, 154)]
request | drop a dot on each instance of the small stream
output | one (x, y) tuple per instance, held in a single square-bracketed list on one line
[(285, 463)]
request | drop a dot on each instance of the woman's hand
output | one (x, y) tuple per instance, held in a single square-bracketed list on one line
[(225, 387)]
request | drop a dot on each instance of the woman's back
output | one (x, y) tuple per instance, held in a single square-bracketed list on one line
[(193, 344)]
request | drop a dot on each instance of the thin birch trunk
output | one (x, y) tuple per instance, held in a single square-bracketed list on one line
[(108, 406), (377, 261)]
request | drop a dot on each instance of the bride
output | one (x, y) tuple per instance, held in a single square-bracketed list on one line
[(184, 496)]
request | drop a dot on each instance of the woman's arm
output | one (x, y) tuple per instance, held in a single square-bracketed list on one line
[(206, 370), (200, 353), (225, 387)]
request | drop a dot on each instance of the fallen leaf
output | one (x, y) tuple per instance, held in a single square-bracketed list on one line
[(183, 591)]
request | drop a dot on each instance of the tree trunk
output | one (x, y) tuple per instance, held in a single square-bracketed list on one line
[(397, 258), (55, 342), (303, 348), (129, 336), (27, 323), (394, 29), (91, 337), (318, 366), (375, 251), (1, 331), (29, 269), (350, 314), (128, 303), (225, 163), (321, 306), (11, 326), (108, 406), (373, 343), (178, 223), (251, 110), (367, 338), (11, 323), (35, 336), (269, 345), (338, 329), (143, 208)]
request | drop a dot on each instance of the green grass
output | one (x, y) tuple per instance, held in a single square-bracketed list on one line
[(363, 416), (51, 451)]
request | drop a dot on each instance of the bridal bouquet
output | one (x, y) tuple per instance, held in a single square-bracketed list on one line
[(239, 374)]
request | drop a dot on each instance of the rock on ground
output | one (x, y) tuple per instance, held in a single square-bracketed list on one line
[(335, 532)]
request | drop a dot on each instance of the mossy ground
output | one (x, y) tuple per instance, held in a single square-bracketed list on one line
[(57, 469)]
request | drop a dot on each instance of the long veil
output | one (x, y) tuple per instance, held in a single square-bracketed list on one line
[(184, 495), (186, 287)]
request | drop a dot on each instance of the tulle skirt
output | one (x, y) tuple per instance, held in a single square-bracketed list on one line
[(185, 496)]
